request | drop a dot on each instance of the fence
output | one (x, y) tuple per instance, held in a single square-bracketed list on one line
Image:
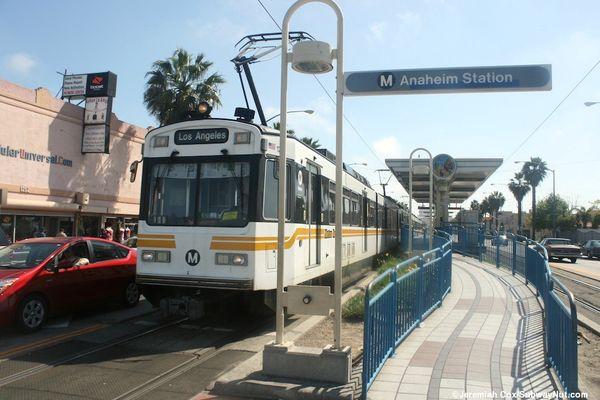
[(395, 305), (529, 259)]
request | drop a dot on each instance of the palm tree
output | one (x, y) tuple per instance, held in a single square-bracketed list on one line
[(484, 208), (534, 172), (177, 85), (474, 205), (519, 188), (314, 143), (277, 127), (496, 201)]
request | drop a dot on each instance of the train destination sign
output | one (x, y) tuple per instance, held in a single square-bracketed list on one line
[(449, 80), (201, 136)]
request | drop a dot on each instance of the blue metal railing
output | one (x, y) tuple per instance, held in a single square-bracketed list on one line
[(529, 259), (395, 305)]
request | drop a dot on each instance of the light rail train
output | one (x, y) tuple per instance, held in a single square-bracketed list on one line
[(208, 214)]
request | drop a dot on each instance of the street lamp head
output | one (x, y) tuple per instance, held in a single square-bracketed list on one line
[(309, 111), (591, 103), (312, 57)]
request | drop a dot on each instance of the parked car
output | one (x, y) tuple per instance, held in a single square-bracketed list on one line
[(500, 240), (560, 248), (50, 276), (591, 248)]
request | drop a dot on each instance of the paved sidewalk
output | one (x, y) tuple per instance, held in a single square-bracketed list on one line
[(487, 338)]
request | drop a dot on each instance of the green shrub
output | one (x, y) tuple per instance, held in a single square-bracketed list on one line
[(353, 309)]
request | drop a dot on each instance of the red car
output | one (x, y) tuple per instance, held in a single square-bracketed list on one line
[(51, 276)]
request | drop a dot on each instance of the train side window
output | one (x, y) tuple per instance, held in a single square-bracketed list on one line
[(347, 218), (271, 191), (332, 202), (325, 206), (371, 216), (355, 209), (301, 195)]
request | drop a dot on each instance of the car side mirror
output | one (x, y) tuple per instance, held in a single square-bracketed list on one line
[(133, 171)]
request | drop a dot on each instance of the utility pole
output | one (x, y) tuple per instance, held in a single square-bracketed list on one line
[(383, 185)]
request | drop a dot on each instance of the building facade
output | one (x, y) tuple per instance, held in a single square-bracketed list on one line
[(46, 184)]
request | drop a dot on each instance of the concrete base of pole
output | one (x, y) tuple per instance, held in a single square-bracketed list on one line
[(289, 361)]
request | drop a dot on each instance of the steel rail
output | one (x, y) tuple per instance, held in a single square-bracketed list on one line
[(40, 368)]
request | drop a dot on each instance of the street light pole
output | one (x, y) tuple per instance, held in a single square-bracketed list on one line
[(292, 112), (553, 201), (306, 63), (410, 198)]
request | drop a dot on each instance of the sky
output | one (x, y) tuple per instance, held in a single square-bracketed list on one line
[(126, 37)]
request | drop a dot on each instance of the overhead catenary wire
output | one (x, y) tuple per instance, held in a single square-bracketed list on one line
[(329, 95), (560, 103)]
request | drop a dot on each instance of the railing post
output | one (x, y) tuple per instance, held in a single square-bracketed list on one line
[(420, 299), (497, 251), (366, 346), (394, 309), (526, 262), (514, 254), (440, 274)]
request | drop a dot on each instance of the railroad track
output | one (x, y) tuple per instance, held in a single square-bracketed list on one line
[(585, 303), (43, 367)]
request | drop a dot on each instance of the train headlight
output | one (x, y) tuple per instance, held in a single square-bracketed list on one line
[(160, 141), (222, 259), (239, 259), (231, 259), (162, 256), (148, 255), (241, 138)]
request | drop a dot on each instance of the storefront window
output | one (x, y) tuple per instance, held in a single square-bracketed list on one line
[(7, 225), (89, 225), (29, 226)]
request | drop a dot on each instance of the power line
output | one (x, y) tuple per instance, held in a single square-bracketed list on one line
[(329, 94), (533, 132)]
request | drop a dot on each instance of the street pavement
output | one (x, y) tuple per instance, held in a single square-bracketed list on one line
[(485, 339), (583, 266)]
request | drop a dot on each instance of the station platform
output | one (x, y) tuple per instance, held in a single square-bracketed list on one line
[(485, 341)]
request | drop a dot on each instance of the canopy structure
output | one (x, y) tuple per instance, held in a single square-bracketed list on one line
[(449, 187)]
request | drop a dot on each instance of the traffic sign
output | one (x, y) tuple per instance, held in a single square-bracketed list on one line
[(449, 80)]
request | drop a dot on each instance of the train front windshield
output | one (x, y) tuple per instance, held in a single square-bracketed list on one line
[(199, 194)]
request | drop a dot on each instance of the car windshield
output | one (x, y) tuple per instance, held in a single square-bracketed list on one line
[(211, 193), (26, 255), (595, 243), (558, 241)]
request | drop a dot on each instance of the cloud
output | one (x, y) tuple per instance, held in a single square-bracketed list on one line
[(223, 29), (406, 23), (387, 147), (20, 63)]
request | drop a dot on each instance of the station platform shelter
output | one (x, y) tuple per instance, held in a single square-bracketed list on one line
[(454, 180)]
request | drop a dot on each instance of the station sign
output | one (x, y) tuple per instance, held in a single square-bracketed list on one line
[(201, 136), (74, 86), (449, 80)]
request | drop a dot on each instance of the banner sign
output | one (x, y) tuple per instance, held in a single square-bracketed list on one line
[(101, 84), (201, 136), (95, 139), (89, 85), (97, 110), (74, 86), (449, 80)]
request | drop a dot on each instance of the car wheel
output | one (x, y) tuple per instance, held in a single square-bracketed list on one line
[(573, 260), (131, 295), (32, 314)]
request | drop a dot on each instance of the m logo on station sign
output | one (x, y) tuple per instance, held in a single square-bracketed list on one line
[(449, 80)]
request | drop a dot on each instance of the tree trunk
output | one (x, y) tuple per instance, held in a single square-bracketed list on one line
[(519, 226), (533, 212)]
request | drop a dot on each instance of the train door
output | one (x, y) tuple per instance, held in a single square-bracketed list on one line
[(314, 214)]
